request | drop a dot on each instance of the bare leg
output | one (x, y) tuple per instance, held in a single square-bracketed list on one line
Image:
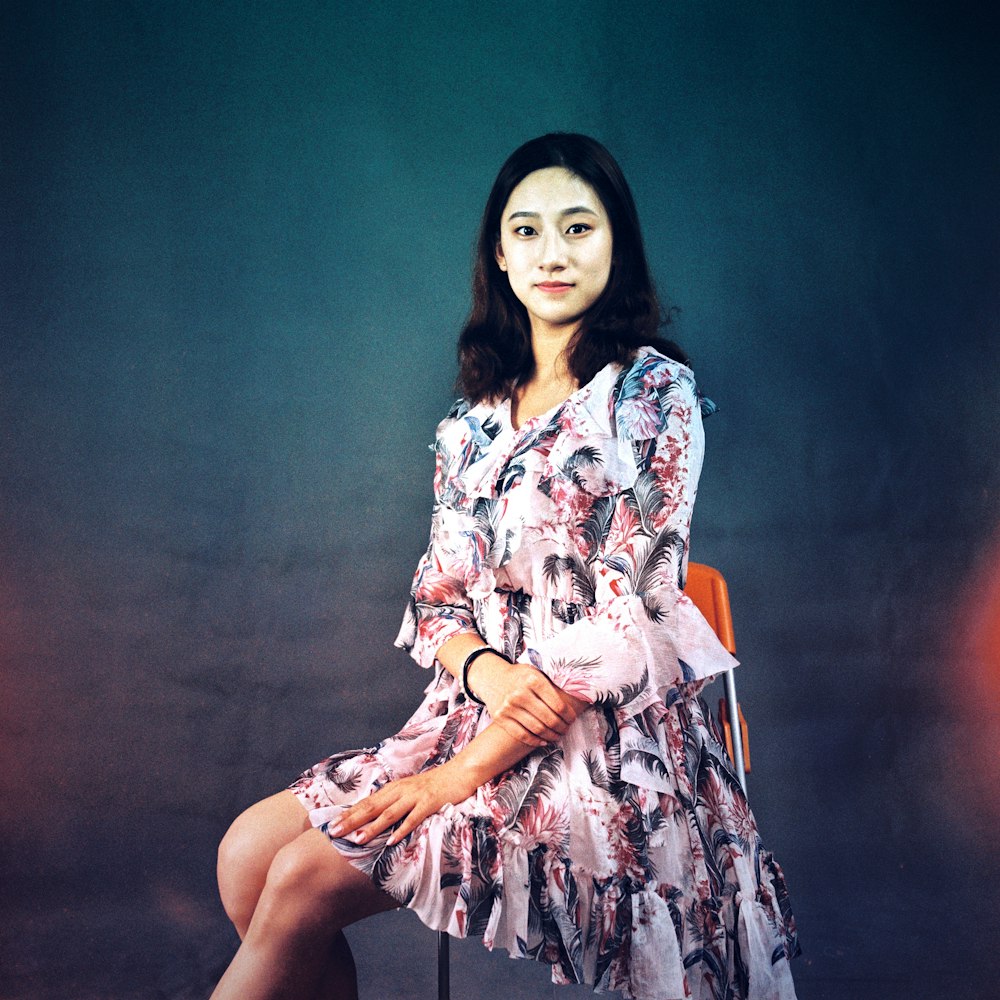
[(249, 847), (289, 893), (339, 980), (310, 894)]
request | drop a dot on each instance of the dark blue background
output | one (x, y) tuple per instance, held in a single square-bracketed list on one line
[(235, 256)]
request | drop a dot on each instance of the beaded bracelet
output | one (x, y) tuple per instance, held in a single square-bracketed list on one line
[(466, 690)]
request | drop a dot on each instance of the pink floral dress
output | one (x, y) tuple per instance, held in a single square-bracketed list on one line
[(625, 855)]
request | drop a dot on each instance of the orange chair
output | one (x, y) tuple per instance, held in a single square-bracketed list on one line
[(707, 589)]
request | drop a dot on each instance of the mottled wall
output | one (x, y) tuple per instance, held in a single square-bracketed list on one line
[(235, 254)]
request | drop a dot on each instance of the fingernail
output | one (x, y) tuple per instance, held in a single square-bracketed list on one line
[(336, 830)]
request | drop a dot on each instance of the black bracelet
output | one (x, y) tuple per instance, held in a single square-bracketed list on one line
[(466, 690)]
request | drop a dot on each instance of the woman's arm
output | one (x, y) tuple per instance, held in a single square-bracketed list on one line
[(439, 630), (439, 607), (640, 640), (409, 801), (519, 698), (529, 711)]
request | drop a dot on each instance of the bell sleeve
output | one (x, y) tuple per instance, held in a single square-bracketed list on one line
[(439, 607), (640, 639)]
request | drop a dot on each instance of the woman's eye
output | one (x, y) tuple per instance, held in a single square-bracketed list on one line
[(578, 229), (525, 231)]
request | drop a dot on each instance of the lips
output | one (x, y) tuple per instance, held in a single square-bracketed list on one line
[(553, 286)]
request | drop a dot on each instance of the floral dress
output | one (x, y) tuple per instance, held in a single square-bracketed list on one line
[(624, 855)]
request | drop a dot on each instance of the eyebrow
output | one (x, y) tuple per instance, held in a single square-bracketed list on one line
[(575, 210)]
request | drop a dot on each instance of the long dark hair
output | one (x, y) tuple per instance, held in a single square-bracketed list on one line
[(494, 349)]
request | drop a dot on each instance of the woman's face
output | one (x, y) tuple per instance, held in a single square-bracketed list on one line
[(555, 245)]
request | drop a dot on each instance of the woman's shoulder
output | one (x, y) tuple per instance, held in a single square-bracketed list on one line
[(464, 415), (648, 390), (466, 434), (650, 370)]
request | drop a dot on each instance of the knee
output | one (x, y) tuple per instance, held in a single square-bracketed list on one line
[(242, 870), (304, 887)]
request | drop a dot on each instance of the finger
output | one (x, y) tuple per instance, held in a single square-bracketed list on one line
[(344, 827), (530, 704), (530, 718), (516, 731), (541, 732), (365, 819), (547, 717), (388, 817), (534, 688), (416, 816), (361, 812), (346, 823), (552, 698)]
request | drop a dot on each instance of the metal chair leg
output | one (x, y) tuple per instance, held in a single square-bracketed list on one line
[(444, 971), (737, 729)]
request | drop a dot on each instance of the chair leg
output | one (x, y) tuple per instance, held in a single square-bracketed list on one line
[(737, 729), (444, 971)]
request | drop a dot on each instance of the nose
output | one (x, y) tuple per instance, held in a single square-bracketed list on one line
[(552, 254)]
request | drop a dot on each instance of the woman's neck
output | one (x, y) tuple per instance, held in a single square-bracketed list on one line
[(550, 383), (548, 347)]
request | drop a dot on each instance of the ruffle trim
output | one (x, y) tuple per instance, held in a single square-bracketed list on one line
[(679, 648), (422, 637), (611, 413), (651, 961)]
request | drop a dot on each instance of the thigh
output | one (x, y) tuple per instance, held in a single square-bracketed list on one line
[(312, 875), (260, 831)]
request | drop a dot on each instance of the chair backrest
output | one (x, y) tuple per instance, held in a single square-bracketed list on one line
[(707, 589)]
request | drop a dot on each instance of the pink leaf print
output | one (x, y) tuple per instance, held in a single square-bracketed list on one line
[(542, 823), (621, 534)]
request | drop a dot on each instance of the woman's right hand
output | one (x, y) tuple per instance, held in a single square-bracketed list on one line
[(522, 700)]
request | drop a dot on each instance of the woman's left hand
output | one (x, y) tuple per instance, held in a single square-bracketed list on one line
[(408, 801)]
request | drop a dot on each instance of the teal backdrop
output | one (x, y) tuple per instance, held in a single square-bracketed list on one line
[(236, 243)]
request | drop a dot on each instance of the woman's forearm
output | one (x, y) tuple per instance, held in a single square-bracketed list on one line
[(490, 752), (406, 802), (520, 699), (493, 750), (452, 654)]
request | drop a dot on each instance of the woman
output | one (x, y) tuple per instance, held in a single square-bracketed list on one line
[(559, 791)]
